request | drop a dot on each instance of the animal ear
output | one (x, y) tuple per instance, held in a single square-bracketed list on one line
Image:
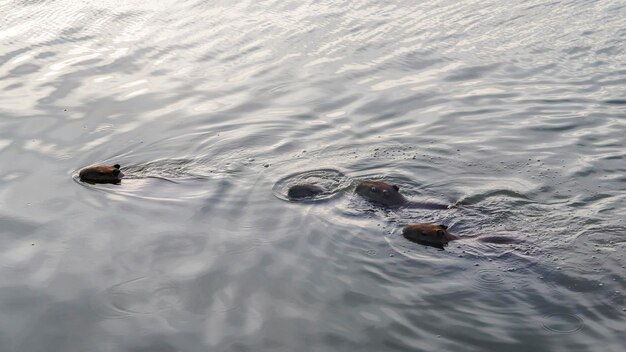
[(117, 166), (439, 234), (396, 187), (443, 226)]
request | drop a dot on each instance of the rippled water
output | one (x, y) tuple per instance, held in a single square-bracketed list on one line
[(516, 110)]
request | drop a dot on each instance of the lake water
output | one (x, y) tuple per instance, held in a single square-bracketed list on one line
[(515, 110)]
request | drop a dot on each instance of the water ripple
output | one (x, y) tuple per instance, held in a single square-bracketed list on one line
[(512, 111)]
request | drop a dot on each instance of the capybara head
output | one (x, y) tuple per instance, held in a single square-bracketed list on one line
[(435, 235), (380, 192), (304, 191), (101, 174)]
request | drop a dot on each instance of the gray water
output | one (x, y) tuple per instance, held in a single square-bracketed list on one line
[(514, 110)]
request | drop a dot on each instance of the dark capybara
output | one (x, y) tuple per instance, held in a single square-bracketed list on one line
[(377, 192), (101, 174), (437, 235), (380, 192), (304, 191)]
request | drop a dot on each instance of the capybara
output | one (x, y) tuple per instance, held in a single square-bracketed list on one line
[(101, 174)]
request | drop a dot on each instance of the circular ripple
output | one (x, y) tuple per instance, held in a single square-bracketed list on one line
[(499, 280), (489, 280), (562, 323), (330, 179), (137, 297), (490, 277)]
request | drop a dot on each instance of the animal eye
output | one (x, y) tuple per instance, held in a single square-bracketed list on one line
[(116, 172), (374, 190)]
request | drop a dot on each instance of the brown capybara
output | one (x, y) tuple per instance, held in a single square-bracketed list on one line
[(374, 191), (304, 191), (382, 193), (437, 235), (101, 174), (377, 192)]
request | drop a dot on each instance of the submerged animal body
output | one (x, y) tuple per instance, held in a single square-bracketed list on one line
[(101, 174), (385, 194), (437, 235), (304, 191), (377, 192), (374, 191), (381, 193)]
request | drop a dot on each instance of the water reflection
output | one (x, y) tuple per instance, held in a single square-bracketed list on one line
[(511, 111)]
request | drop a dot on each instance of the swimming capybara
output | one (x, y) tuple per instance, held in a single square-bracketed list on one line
[(437, 235), (101, 174), (377, 192), (381, 193), (304, 191)]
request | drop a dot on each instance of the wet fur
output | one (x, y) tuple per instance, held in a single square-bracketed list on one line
[(377, 192), (304, 191), (388, 195), (380, 192), (434, 235), (101, 174), (437, 235)]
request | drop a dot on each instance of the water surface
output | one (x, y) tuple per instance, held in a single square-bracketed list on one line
[(514, 110)]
